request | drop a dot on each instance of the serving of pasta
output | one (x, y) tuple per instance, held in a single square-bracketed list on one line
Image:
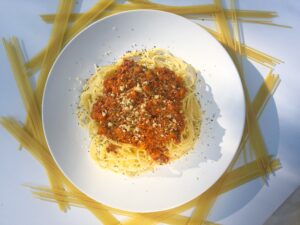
[(140, 112)]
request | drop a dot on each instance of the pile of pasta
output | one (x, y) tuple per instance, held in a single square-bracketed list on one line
[(129, 159), (66, 24)]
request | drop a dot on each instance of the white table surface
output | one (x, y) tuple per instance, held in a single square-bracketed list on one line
[(249, 204)]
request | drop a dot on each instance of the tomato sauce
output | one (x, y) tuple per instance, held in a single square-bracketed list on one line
[(141, 107)]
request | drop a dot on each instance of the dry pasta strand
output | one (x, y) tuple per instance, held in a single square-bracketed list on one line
[(16, 60), (99, 211), (55, 44), (75, 197), (256, 139), (261, 57), (252, 13), (235, 24), (178, 219), (104, 216), (249, 52), (87, 18), (221, 22), (191, 9), (244, 151), (266, 90), (255, 136), (199, 212), (27, 140), (39, 133), (262, 22), (38, 151), (140, 1), (203, 9), (243, 175), (34, 64), (49, 18)]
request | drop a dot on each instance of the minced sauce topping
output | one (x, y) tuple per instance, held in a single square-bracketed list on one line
[(141, 107)]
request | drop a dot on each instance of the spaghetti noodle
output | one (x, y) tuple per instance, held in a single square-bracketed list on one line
[(141, 111)]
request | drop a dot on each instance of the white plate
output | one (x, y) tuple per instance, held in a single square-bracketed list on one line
[(222, 100)]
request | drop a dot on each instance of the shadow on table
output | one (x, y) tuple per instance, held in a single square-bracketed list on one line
[(236, 199)]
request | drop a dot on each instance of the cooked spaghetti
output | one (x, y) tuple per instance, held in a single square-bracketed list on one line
[(141, 111)]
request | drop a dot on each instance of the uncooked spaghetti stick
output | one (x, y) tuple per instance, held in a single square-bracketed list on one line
[(140, 1), (97, 209), (85, 19), (49, 18), (243, 175), (76, 198), (178, 219), (254, 21), (221, 22), (34, 64), (37, 151), (193, 9), (250, 52), (256, 139), (180, 10), (104, 215), (266, 90), (55, 44), (255, 136), (29, 100), (196, 9), (260, 57), (235, 27), (264, 22), (200, 13)]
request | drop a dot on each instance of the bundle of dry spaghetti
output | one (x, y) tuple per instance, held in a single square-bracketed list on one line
[(67, 24)]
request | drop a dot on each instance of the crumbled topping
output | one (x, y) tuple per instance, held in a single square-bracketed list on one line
[(142, 107)]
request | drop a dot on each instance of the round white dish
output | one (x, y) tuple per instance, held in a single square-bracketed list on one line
[(220, 93)]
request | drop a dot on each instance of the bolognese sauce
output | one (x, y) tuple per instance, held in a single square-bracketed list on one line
[(142, 107)]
